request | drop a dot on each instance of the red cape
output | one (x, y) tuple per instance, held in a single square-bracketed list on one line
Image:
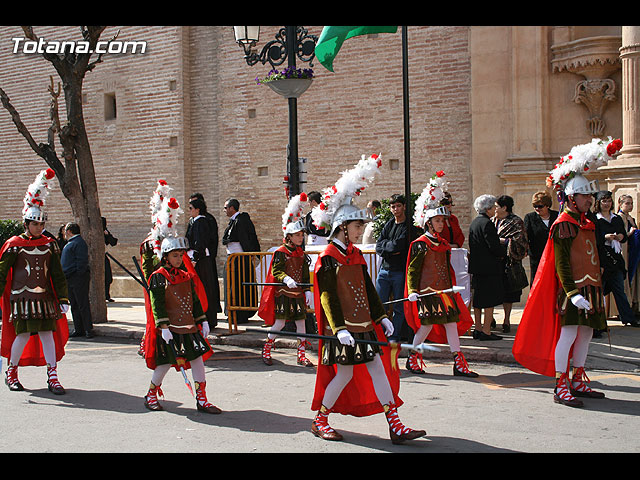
[(32, 355), (266, 310), (438, 333), (151, 332), (358, 398), (535, 343)]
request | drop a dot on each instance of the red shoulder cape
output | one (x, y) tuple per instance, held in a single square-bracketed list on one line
[(151, 332), (32, 355), (358, 398), (539, 329), (266, 310), (438, 333)]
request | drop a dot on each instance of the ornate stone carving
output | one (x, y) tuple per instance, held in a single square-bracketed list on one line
[(595, 94)]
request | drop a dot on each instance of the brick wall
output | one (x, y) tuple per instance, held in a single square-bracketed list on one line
[(189, 111)]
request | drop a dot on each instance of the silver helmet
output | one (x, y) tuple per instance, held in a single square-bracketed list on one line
[(580, 184), (35, 214), (348, 212), (294, 227), (171, 243), (434, 212)]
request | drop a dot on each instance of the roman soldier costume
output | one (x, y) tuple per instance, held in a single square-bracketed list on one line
[(565, 303), (349, 310), (34, 300), (435, 311), (176, 330), (289, 266)]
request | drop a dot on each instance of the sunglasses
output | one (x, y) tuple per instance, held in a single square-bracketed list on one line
[(537, 207)]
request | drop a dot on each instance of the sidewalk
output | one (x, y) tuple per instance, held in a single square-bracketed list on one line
[(126, 319)]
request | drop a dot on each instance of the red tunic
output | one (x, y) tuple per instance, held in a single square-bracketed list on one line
[(32, 355), (358, 398)]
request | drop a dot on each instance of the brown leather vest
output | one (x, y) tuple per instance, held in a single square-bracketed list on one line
[(353, 298), (293, 267), (179, 305), (585, 263), (31, 274), (435, 273)]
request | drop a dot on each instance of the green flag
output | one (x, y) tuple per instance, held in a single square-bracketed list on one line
[(331, 40)]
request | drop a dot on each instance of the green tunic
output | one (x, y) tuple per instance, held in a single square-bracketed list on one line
[(563, 236), (55, 274)]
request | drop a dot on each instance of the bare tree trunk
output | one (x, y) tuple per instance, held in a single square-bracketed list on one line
[(77, 174)]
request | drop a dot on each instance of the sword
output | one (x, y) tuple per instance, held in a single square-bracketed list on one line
[(126, 270), (454, 289), (135, 262), (181, 362), (423, 347), (274, 284)]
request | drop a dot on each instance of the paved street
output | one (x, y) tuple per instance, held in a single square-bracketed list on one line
[(266, 409)]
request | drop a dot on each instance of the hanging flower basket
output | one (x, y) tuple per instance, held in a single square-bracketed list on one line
[(290, 83)]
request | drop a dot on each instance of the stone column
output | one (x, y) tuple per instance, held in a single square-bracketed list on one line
[(624, 172)]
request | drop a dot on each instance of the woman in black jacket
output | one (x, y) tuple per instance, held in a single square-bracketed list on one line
[(485, 265), (537, 224), (610, 234)]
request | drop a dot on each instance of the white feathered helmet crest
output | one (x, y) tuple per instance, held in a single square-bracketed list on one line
[(292, 219), (165, 211), (336, 206), (428, 203), (36, 196), (567, 177)]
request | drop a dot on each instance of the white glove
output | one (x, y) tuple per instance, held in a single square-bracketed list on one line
[(615, 244), (387, 326), (167, 336), (64, 307), (205, 329), (308, 296), (290, 282), (413, 297), (581, 302), (345, 338)]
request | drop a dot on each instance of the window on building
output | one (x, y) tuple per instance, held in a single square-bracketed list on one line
[(263, 171), (110, 110)]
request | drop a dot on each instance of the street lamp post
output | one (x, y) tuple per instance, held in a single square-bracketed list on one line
[(291, 42)]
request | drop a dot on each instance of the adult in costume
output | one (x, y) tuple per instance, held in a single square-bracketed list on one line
[(34, 300), (289, 266), (353, 378), (565, 304), (176, 331), (438, 316)]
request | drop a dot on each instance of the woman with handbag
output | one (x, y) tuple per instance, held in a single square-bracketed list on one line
[(513, 235)]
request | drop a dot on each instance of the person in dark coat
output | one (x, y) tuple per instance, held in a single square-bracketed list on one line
[(537, 224), (75, 265), (485, 265), (108, 274), (240, 236), (202, 234)]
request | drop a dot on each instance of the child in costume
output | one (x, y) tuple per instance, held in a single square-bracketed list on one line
[(566, 304), (177, 329), (439, 316), (289, 265), (34, 301), (354, 377)]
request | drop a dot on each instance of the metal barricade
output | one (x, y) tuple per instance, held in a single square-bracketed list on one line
[(252, 268)]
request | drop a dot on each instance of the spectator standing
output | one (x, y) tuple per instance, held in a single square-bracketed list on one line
[(610, 235), (75, 265), (368, 236), (393, 246), (108, 274), (315, 235), (630, 254), (513, 236), (240, 236), (485, 265), (537, 225)]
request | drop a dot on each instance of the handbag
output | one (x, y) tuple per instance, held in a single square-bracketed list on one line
[(515, 275)]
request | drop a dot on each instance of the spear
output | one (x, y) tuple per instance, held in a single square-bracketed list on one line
[(127, 270), (423, 347), (275, 284), (454, 289)]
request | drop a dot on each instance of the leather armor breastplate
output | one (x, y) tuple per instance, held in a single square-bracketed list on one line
[(293, 267), (585, 263), (179, 305), (353, 298), (435, 273), (31, 274)]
